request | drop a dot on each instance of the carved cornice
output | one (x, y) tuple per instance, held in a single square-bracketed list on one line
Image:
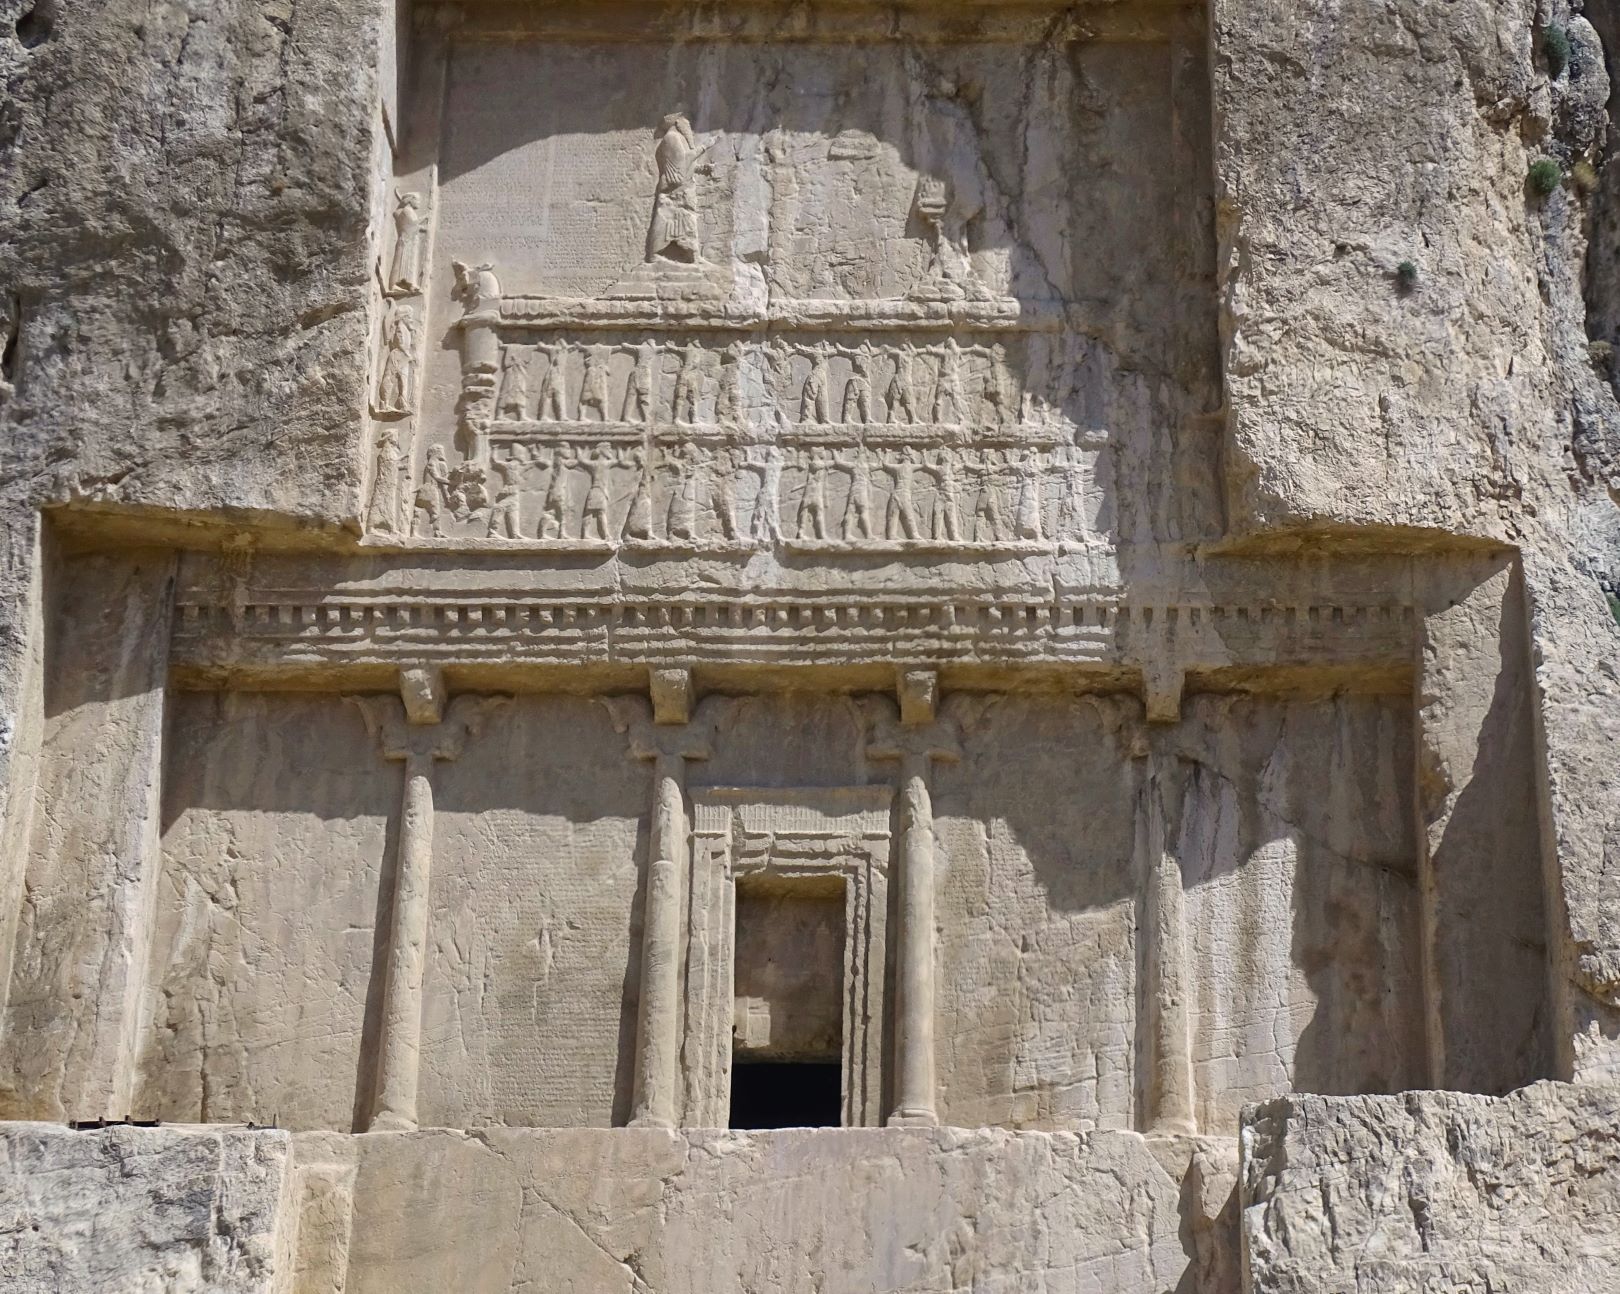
[(998, 314), (293, 627)]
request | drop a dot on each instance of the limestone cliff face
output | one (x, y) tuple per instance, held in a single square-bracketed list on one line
[(187, 193), (1300, 774), (1466, 404)]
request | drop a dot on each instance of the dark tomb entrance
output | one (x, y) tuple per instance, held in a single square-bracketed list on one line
[(787, 1037)]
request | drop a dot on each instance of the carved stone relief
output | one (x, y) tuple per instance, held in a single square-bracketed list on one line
[(405, 265), (714, 400)]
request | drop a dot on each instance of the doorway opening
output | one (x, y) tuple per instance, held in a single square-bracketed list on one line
[(787, 1052), (786, 1094)]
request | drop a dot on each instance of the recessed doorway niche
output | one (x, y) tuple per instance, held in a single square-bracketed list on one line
[(787, 957)]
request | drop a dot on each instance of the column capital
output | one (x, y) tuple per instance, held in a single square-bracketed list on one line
[(672, 694), (422, 691), (651, 738), (918, 692), (890, 737), (400, 738)]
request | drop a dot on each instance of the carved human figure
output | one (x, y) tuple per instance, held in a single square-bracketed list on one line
[(949, 405), (593, 387), (900, 521), (513, 402), (410, 241), (554, 384), (779, 361), (1027, 478), (765, 526), (958, 193), (813, 502), (858, 509), (688, 386), (383, 515), (900, 398), (724, 493), (505, 494), (945, 521), (468, 490), (638, 392), (996, 404), (554, 507), (674, 232), (681, 461), (1073, 521), (433, 495), (988, 524), (399, 364), (815, 400), (728, 397), (858, 390), (593, 522), (638, 520)]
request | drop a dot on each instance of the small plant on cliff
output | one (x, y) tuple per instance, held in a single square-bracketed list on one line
[(1614, 607), (1406, 276), (1556, 49), (1545, 176)]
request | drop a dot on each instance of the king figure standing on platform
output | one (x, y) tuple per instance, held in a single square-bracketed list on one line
[(674, 232)]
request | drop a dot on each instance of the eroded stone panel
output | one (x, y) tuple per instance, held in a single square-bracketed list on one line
[(278, 822), (1038, 895), (1433, 1190), (1295, 845), (194, 1211), (78, 968)]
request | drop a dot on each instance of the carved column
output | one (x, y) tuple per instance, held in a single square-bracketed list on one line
[(916, 740), (915, 1092), (658, 1051), (417, 730), (662, 734), (1166, 986)]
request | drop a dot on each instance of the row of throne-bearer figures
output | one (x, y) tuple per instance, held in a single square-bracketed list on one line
[(938, 385), (754, 495)]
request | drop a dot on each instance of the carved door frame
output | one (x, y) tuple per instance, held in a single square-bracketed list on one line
[(793, 833)]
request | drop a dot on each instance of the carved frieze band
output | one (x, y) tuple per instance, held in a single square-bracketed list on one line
[(823, 444), (291, 628)]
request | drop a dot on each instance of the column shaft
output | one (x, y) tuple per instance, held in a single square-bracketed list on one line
[(657, 1050), (1166, 986), (914, 1097), (401, 1043)]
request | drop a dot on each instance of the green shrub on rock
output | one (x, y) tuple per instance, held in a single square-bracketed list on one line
[(1556, 49), (1545, 176)]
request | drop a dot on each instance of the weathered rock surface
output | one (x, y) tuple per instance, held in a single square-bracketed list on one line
[(1433, 1190), (726, 1213), (186, 191), (1040, 559), (594, 1212), (139, 1210)]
